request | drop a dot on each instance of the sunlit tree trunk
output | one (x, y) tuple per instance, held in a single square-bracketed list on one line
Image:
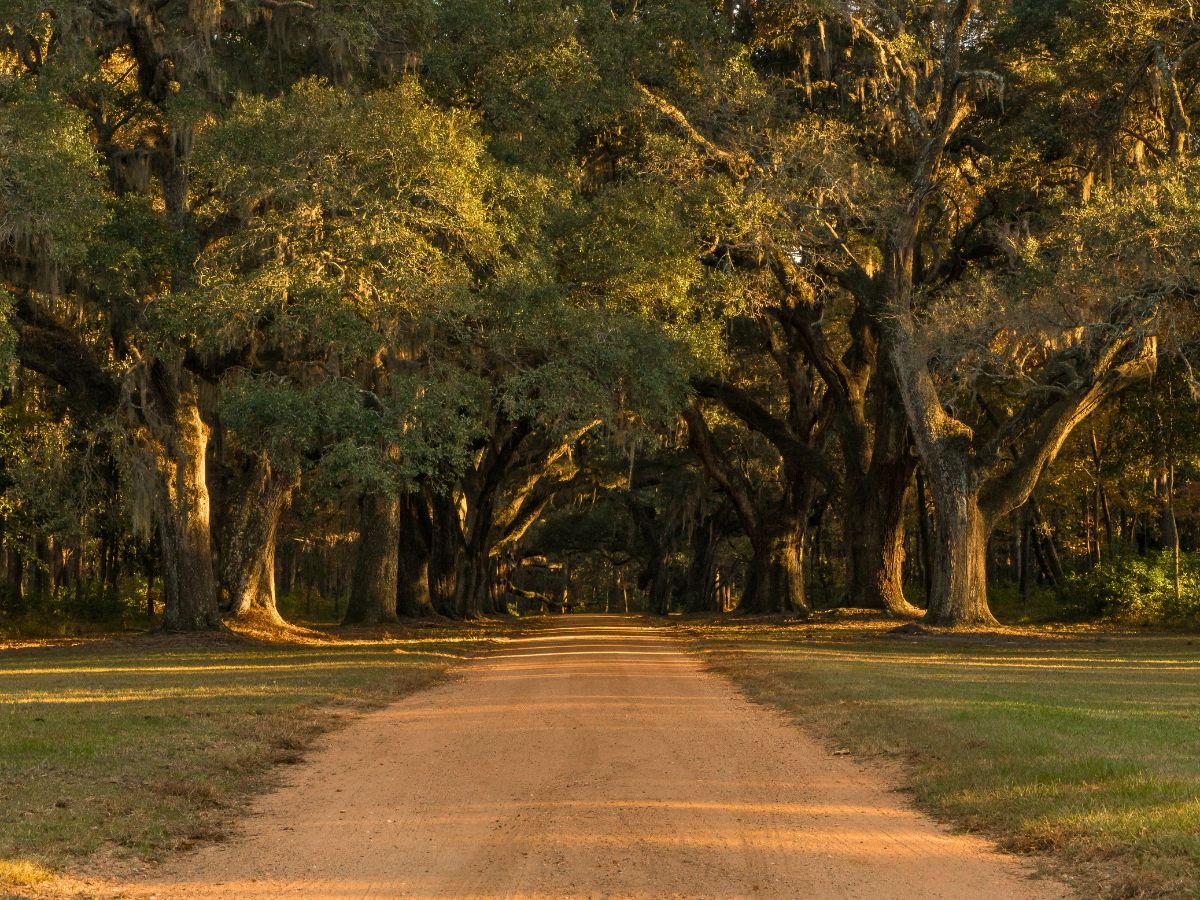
[(177, 444), (961, 531), (248, 534)]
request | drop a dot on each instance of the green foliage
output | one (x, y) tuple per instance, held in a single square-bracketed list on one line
[(1139, 590), (529, 70), (52, 198), (362, 216)]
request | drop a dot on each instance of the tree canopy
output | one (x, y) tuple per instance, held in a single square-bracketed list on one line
[(478, 307)]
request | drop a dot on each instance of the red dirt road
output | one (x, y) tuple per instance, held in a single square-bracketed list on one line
[(592, 758)]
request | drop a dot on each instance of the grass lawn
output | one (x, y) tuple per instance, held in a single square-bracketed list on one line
[(1086, 745), (137, 746)]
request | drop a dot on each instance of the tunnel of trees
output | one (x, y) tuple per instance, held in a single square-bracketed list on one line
[(393, 308)]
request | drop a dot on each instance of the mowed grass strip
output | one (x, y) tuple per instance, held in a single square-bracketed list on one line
[(147, 745), (1088, 747)]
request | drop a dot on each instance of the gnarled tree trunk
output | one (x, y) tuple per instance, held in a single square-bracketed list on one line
[(874, 526), (700, 593), (472, 583), (250, 525), (775, 581), (177, 446), (445, 546)]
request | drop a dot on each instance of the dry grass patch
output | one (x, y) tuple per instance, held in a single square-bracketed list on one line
[(23, 873)]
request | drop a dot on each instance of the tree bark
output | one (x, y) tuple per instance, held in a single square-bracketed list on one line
[(700, 593), (413, 597), (472, 582), (959, 549), (177, 449), (874, 523), (373, 589), (445, 545), (250, 527), (775, 581)]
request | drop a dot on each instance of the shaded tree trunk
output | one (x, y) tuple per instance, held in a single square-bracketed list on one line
[(874, 523), (925, 532), (879, 465), (373, 588), (701, 594), (658, 590), (42, 574), (472, 582), (413, 596), (775, 580), (445, 546)]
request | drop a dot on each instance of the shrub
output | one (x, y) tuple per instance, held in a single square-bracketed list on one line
[(1138, 590)]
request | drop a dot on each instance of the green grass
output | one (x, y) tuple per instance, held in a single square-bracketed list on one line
[(146, 745), (1087, 746)]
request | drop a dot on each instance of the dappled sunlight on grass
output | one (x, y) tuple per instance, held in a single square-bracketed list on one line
[(1089, 745), (150, 745)]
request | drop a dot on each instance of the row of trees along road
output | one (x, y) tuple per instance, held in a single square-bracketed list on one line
[(452, 297)]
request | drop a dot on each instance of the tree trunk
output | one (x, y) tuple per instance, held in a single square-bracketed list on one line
[(413, 596), (701, 589), (445, 547), (42, 574), (959, 549), (874, 523), (373, 589), (178, 448), (248, 546), (14, 568), (925, 533), (472, 580), (775, 582), (1024, 550), (658, 591)]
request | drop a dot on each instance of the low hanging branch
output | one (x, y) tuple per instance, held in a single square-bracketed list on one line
[(735, 164)]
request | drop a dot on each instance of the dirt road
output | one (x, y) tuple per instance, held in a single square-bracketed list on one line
[(594, 758)]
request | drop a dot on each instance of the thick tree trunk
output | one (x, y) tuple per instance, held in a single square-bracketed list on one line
[(248, 543), (700, 593), (959, 550), (775, 582), (373, 589), (413, 596), (659, 593), (472, 581), (874, 524), (178, 457), (445, 547), (925, 533)]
